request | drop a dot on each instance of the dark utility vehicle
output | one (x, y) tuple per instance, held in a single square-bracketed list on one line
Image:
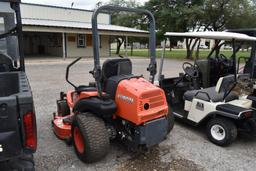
[(18, 140)]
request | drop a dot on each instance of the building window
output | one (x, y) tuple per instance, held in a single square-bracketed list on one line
[(80, 40)]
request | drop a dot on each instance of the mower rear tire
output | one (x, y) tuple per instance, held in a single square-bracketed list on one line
[(170, 120), (221, 131), (90, 137)]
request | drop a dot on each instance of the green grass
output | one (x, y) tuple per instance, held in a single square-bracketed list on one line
[(178, 54)]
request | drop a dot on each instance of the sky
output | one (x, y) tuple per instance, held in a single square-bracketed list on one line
[(81, 4)]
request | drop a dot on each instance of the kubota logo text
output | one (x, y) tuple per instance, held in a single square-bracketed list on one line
[(125, 98)]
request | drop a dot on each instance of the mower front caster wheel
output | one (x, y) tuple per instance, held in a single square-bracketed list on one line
[(221, 131), (90, 137)]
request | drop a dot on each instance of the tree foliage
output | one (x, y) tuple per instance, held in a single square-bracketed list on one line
[(188, 15), (201, 15), (124, 19)]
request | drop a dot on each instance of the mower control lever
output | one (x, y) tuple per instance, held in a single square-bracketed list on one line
[(67, 71)]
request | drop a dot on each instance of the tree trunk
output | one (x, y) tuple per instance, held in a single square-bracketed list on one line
[(217, 52), (119, 44), (190, 49), (131, 48), (197, 50)]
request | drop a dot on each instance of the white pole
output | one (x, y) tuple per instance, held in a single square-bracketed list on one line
[(126, 44), (63, 46), (162, 60)]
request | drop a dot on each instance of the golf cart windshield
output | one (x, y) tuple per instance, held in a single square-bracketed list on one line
[(8, 37), (224, 48)]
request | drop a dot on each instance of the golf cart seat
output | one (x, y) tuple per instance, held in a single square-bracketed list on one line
[(114, 71), (214, 94)]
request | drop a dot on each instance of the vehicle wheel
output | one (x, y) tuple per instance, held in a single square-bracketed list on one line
[(23, 163), (63, 108), (252, 126), (90, 137), (221, 131), (170, 119)]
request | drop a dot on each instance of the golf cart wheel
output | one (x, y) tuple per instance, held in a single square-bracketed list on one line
[(90, 137), (170, 119), (221, 131)]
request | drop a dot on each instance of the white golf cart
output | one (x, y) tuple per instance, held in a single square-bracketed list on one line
[(224, 111)]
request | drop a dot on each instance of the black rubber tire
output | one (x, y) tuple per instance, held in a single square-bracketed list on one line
[(63, 108), (252, 126), (22, 163), (229, 127), (95, 136), (170, 119)]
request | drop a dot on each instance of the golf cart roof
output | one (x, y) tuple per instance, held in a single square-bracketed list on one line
[(212, 35), (247, 31), (10, 0)]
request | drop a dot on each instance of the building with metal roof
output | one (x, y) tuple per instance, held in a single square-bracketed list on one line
[(66, 32)]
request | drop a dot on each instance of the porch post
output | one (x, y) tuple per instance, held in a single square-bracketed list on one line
[(126, 44), (109, 44), (64, 46)]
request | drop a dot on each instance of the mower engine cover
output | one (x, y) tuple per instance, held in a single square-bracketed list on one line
[(139, 101)]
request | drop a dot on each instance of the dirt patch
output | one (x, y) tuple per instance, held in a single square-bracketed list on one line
[(159, 159), (184, 165)]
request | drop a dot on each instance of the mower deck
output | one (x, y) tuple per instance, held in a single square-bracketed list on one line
[(61, 129)]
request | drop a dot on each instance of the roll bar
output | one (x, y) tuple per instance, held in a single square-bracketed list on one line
[(152, 41)]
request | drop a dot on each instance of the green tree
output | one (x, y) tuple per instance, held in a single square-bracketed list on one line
[(123, 19), (201, 15), (242, 15), (177, 16)]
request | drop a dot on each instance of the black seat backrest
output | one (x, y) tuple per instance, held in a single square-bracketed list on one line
[(204, 69), (225, 84), (113, 71), (115, 67), (5, 63)]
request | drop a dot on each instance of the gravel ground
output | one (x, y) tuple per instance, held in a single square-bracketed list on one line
[(186, 148)]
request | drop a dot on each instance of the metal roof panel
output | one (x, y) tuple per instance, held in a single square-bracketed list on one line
[(80, 25), (212, 35)]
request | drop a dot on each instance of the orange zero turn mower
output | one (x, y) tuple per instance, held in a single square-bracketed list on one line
[(119, 105)]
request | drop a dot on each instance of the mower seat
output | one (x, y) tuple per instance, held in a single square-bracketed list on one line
[(82, 88), (214, 94), (114, 71), (114, 67)]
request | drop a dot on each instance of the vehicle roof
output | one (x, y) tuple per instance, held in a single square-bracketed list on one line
[(248, 31), (10, 1), (212, 35)]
